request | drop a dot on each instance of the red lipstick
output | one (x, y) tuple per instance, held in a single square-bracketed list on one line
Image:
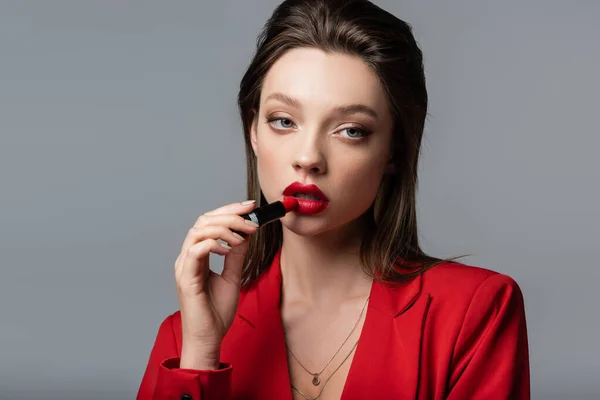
[(290, 204), (314, 202), (271, 212)]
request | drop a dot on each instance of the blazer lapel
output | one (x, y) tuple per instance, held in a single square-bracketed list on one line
[(386, 363), (255, 344)]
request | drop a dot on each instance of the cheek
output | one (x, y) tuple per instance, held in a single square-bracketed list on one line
[(265, 144), (269, 167), (361, 182)]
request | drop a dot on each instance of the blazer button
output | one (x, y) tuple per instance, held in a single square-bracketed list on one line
[(185, 397)]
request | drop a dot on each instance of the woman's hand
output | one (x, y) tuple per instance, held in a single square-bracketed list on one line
[(208, 301)]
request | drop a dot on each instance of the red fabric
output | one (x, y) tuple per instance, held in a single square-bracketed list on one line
[(456, 332)]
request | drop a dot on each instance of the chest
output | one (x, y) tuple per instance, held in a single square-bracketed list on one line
[(320, 349), (384, 365)]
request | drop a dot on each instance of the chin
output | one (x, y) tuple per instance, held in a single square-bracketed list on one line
[(311, 226), (305, 226)]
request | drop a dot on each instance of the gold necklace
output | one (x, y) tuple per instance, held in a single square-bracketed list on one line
[(327, 381), (316, 375)]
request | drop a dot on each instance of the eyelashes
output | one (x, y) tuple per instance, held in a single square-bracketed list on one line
[(283, 124), (272, 122)]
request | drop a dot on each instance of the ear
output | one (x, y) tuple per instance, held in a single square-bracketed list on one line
[(253, 126)]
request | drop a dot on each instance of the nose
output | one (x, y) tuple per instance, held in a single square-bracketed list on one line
[(309, 154)]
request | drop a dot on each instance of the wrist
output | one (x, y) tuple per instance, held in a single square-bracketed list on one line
[(199, 358)]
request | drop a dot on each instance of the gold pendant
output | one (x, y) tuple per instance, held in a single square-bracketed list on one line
[(316, 381)]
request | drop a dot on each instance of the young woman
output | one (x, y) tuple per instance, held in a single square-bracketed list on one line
[(335, 300)]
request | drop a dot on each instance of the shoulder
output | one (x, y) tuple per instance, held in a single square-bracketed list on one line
[(457, 280), (455, 288), (475, 330)]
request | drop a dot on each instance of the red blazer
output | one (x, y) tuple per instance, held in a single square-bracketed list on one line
[(456, 332)]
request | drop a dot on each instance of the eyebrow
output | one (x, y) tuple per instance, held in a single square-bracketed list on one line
[(345, 110)]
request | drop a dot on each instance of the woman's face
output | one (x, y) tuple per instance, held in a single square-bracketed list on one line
[(323, 119)]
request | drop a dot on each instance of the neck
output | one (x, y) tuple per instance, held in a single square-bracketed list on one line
[(324, 270)]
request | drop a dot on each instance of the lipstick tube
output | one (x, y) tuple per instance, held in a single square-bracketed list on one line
[(269, 212)]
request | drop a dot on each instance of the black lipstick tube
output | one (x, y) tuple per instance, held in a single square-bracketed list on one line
[(264, 215), (267, 213)]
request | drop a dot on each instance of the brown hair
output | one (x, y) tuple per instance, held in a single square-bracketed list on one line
[(386, 44)]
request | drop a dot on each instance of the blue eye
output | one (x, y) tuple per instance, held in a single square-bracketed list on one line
[(281, 123), (355, 133)]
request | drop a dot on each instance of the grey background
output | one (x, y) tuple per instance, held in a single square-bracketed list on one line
[(118, 127)]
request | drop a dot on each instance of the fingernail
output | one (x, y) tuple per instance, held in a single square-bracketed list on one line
[(251, 223), (226, 246), (237, 236), (248, 202)]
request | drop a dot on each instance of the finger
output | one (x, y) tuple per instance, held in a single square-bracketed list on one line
[(233, 208), (211, 227), (232, 221), (219, 232), (197, 257), (234, 264)]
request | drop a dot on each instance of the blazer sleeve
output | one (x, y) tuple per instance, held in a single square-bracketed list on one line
[(491, 356), (164, 380)]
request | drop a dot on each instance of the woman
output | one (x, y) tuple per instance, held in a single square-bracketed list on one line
[(336, 299)]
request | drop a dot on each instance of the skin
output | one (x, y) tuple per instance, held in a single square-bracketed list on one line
[(346, 154)]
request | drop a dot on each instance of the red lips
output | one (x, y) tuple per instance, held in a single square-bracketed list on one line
[(307, 206), (297, 187)]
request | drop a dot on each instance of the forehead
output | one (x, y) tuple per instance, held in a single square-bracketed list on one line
[(324, 79)]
